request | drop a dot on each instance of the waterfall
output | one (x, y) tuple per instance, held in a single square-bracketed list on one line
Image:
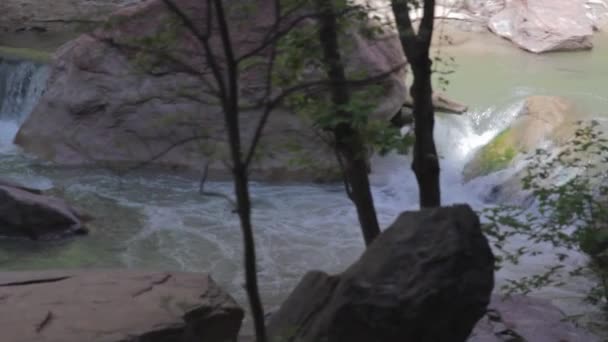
[(457, 138), (21, 85)]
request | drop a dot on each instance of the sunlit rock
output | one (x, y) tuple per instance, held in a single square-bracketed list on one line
[(545, 25), (542, 118)]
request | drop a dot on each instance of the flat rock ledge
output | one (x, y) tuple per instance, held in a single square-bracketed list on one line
[(115, 306), (521, 318)]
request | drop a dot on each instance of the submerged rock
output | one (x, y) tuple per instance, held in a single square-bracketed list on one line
[(541, 118), (520, 318), (544, 25), (28, 213), (426, 278), (115, 306), (110, 102)]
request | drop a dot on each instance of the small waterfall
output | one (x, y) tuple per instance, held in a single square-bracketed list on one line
[(457, 138), (21, 85)]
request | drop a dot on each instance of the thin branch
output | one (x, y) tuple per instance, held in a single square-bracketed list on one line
[(273, 36), (162, 153), (203, 38), (319, 83), (425, 31), (268, 90)]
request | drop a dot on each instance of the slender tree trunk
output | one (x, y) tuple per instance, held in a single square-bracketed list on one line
[(349, 144), (426, 162), (230, 104), (416, 47)]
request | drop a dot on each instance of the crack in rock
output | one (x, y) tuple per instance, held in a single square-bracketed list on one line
[(154, 283), (35, 281), (47, 319)]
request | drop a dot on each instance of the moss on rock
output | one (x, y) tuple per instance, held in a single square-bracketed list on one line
[(493, 157), (38, 56)]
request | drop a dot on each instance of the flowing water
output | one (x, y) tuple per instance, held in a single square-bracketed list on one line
[(161, 222)]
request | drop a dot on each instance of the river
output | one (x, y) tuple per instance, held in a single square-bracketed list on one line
[(153, 221)]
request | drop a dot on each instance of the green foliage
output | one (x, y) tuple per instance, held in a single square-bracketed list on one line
[(495, 156), (384, 138), (569, 187), (300, 58), (150, 56)]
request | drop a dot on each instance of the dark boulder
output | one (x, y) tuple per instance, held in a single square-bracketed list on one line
[(26, 213), (427, 278)]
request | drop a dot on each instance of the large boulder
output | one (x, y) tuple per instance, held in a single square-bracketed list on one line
[(101, 108), (28, 213), (427, 278), (521, 318), (115, 306), (541, 118), (545, 25)]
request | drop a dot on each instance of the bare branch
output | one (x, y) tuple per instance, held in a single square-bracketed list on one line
[(322, 83), (425, 31)]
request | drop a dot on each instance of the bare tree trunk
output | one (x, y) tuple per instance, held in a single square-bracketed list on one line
[(416, 47), (349, 144), (230, 104)]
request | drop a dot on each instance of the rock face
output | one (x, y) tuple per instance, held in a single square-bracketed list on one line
[(521, 318), (27, 212), (544, 25), (427, 278), (100, 107), (57, 15), (115, 306), (541, 118)]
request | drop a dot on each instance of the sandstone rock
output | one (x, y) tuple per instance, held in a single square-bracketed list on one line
[(428, 277), (101, 108), (541, 118), (545, 25), (24, 212), (115, 306), (442, 104), (521, 318), (57, 15)]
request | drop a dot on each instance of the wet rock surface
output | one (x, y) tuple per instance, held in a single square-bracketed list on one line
[(26, 212)]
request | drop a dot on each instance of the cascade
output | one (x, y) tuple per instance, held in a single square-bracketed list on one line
[(21, 85)]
